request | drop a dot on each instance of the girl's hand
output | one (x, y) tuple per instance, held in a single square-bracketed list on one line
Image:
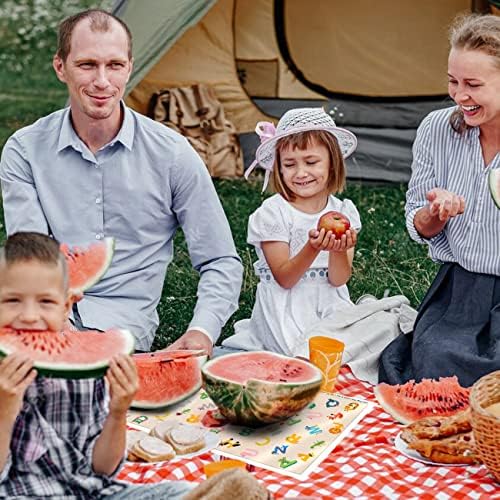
[(321, 240), (347, 241), (123, 384), (16, 374)]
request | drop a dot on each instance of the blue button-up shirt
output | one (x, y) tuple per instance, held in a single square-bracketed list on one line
[(139, 188)]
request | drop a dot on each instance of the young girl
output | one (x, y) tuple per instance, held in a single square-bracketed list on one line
[(303, 272)]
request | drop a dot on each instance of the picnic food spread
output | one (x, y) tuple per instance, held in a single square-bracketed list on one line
[(87, 265), (365, 464), (445, 440), (166, 441), (413, 401), (494, 184), (334, 221), (258, 388), (167, 377), (68, 354)]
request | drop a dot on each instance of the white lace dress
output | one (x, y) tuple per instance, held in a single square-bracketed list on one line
[(281, 316)]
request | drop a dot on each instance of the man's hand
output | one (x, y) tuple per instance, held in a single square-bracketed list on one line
[(445, 204), (193, 339), (123, 384), (16, 374)]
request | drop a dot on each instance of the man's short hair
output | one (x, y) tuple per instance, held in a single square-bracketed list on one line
[(100, 21), (29, 246)]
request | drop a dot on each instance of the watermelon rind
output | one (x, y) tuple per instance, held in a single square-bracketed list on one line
[(154, 405), (494, 185), (109, 244), (259, 402), (77, 370), (402, 419)]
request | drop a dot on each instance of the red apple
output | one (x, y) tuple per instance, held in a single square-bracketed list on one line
[(336, 222)]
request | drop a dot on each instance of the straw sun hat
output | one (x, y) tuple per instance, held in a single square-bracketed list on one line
[(293, 122)]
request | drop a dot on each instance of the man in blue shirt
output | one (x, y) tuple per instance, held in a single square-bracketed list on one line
[(98, 169)]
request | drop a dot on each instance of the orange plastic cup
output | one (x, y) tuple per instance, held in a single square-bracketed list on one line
[(326, 354), (213, 468)]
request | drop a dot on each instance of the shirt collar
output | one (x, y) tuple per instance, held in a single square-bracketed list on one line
[(68, 136)]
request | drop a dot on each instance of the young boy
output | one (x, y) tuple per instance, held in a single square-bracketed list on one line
[(59, 438)]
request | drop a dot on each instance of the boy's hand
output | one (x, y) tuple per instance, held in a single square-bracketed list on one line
[(347, 241), (123, 384), (16, 374)]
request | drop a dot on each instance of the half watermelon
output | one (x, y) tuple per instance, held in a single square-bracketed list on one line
[(258, 388), (167, 377), (494, 184), (68, 354), (86, 266)]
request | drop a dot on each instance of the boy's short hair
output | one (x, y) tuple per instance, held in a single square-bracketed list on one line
[(301, 140), (29, 246)]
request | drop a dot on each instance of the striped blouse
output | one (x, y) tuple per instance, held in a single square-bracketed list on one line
[(443, 158)]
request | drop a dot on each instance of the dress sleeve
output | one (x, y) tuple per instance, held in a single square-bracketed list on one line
[(349, 209), (267, 223), (22, 209), (422, 178)]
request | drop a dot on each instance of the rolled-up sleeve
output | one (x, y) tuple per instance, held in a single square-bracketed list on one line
[(22, 209), (422, 178), (209, 240)]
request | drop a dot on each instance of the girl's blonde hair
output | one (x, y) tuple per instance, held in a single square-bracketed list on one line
[(301, 141), (474, 32)]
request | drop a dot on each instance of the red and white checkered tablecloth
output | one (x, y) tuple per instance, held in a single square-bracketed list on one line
[(365, 464)]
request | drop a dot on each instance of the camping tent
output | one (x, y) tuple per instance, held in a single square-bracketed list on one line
[(377, 67)]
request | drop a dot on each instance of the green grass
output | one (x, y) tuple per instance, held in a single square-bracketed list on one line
[(385, 257)]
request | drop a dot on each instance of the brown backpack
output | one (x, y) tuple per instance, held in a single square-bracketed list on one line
[(197, 114)]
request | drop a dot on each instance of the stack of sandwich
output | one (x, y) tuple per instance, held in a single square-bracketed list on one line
[(166, 441), (446, 440)]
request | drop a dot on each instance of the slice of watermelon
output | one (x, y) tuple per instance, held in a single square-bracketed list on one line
[(413, 401), (494, 183), (86, 266), (167, 377), (68, 354)]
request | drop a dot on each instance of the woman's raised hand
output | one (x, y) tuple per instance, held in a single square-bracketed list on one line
[(445, 204)]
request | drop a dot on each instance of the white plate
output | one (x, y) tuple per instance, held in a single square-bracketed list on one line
[(211, 440), (402, 447)]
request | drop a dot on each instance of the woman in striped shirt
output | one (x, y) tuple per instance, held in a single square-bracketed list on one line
[(457, 331)]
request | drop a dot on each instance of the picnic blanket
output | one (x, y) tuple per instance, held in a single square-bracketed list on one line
[(365, 464)]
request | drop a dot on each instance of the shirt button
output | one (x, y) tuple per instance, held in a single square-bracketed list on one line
[(96, 165), (98, 236), (98, 200)]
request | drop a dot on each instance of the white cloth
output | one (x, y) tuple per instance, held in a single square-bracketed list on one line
[(281, 316), (365, 329)]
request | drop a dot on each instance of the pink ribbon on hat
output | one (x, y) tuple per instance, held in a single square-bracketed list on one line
[(265, 130)]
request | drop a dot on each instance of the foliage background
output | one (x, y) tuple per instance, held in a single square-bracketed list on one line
[(386, 258)]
